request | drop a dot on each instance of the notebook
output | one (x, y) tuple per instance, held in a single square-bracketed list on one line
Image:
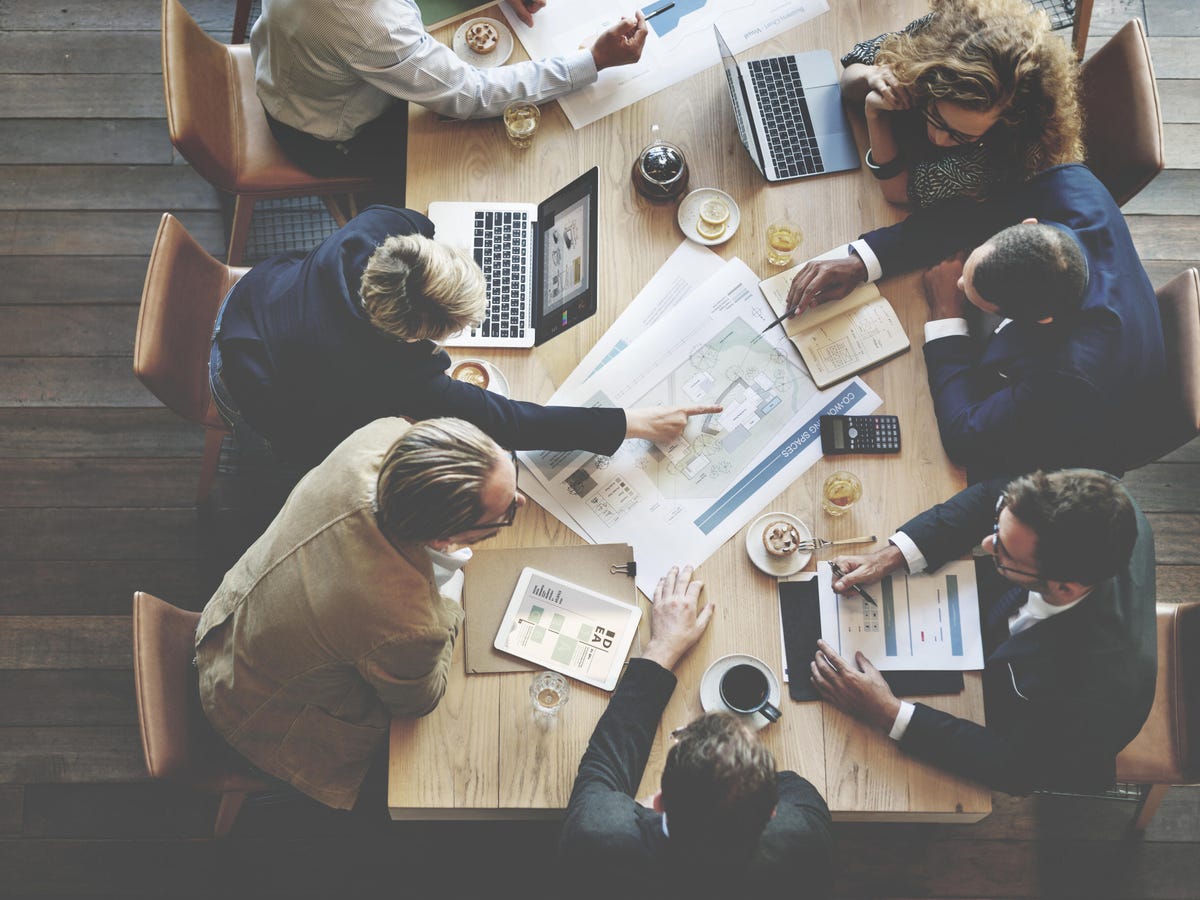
[(789, 113), (539, 262), (842, 338)]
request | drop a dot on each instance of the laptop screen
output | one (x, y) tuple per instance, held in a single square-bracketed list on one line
[(740, 113), (567, 259)]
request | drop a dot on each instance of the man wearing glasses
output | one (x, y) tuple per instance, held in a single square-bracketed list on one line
[(1068, 628), (345, 612)]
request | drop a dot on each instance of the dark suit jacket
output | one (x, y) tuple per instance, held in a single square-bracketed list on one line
[(1062, 697), (1073, 393), (307, 368), (620, 843)]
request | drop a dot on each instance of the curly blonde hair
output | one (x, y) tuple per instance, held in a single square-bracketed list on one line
[(983, 54)]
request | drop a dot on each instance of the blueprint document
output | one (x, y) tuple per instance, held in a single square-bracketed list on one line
[(923, 622), (680, 43), (679, 503)]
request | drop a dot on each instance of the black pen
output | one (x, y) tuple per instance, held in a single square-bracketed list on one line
[(778, 319), (837, 570), (660, 11)]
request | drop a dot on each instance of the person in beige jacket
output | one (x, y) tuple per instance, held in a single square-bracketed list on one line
[(344, 613)]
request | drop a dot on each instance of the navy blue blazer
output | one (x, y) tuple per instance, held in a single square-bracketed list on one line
[(307, 369), (619, 845), (1062, 697), (1073, 393)]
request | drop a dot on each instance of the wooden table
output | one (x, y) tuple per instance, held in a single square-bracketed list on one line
[(480, 754)]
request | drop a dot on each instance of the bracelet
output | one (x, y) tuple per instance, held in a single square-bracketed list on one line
[(884, 171)]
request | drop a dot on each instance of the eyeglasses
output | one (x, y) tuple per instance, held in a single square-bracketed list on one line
[(998, 547), (511, 515), (934, 118)]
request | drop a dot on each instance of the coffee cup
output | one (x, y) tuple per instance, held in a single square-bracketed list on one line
[(746, 689)]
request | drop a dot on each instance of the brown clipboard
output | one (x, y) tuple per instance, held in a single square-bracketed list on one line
[(491, 577)]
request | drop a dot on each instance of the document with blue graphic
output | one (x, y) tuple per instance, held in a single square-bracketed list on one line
[(685, 499), (925, 622)]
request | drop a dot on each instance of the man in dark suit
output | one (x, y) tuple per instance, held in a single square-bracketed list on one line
[(308, 348), (1068, 631), (723, 820), (1067, 378)]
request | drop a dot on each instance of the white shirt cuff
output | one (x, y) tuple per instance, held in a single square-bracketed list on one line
[(582, 66), (870, 260), (902, 719), (940, 328), (912, 554)]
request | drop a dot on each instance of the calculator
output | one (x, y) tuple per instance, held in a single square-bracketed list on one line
[(860, 434)]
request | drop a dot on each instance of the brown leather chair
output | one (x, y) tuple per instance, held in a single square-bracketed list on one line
[(184, 289), (177, 740), (1176, 417), (241, 21), (216, 121), (1167, 749), (1122, 117)]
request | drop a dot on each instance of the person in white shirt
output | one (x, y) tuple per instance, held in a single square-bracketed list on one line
[(1068, 629), (329, 74)]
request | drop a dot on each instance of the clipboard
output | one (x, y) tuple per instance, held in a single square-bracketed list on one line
[(491, 577)]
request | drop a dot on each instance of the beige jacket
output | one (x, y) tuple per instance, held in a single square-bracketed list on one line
[(324, 630)]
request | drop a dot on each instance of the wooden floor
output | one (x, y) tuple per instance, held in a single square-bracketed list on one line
[(96, 485)]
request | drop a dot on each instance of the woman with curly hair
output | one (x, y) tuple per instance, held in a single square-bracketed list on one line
[(975, 95)]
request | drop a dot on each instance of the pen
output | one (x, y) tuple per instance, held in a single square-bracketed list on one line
[(778, 319), (660, 11), (837, 570)]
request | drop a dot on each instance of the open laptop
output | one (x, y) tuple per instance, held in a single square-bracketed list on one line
[(539, 262), (789, 113)]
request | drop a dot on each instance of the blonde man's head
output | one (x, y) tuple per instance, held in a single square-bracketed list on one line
[(414, 288)]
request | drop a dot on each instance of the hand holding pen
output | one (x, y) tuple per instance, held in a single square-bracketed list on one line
[(837, 571)]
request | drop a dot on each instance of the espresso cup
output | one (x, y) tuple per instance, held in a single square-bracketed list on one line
[(745, 689)]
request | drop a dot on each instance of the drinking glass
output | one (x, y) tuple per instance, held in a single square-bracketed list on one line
[(840, 491), (521, 120), (549, 693), (783, 237)]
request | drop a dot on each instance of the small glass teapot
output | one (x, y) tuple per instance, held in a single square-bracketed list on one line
[(660, 171)]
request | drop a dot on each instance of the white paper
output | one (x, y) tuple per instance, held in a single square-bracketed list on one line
[(679, 503), (680, 43), (922, 622)]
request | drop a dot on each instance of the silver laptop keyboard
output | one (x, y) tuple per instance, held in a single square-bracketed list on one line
[(790, 138), (501, 251)]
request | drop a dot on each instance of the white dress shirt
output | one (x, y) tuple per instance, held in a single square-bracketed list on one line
[(447, 571), (1032, 611), (328, 67)]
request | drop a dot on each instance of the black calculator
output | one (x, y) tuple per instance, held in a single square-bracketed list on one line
[(860, 434)]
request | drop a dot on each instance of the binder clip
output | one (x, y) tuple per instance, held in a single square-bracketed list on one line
[(629, 568)]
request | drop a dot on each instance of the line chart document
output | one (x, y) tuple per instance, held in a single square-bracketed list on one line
[(681, 502), (680, 42), (923, 622)]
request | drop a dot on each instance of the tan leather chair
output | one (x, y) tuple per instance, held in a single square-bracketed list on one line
[(1176, 417), (216, 121), (183, 291), (1122, 117), (1167, 749), (178, 743)]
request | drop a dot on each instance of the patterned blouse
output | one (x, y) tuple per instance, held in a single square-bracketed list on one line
[(935, 173)]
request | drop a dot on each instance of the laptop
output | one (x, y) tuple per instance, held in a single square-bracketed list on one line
[(539, 262), (789, 113)]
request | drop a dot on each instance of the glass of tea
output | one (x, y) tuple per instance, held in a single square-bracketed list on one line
[(521, 120), (783, 237), (840, 492)]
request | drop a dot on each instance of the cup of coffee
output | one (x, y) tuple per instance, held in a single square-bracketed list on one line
[(745, 689)]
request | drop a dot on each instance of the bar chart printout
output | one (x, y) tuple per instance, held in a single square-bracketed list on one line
[(921, 622)]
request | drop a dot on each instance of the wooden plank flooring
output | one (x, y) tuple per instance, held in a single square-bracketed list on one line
[(96, 481)]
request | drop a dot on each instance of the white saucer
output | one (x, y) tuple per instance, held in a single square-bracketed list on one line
[(710, 687), (497, 383), (498, 57), (779, 566), (689, 214)]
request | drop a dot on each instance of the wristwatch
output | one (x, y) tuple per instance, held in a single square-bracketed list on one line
[(884, 171)]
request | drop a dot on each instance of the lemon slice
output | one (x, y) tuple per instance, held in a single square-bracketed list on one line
[(708, 230), (714, 211)]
